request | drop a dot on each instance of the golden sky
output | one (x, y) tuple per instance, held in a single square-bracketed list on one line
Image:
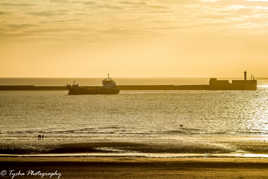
[(133, 38)]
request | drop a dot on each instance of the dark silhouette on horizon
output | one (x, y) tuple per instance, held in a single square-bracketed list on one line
[(109, 86)]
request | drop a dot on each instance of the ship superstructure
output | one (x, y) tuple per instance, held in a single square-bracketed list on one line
[(108, 87)]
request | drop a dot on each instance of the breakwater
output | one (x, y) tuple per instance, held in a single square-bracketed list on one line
[(31, 88), (135, 87), (123, 87)]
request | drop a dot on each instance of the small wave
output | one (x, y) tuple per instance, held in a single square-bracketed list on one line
[(114, 130), (183, 130), (119, 147), (254, 132), (24, 149)]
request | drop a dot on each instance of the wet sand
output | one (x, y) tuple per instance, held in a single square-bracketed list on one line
[(191, 167), (133, 167)]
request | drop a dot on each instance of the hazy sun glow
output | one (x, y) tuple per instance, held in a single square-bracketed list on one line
[(133, 38)]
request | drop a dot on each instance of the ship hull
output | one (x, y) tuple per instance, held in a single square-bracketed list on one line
[(93, 91)]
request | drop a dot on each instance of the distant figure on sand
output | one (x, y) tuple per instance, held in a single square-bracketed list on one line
[(41, 137)]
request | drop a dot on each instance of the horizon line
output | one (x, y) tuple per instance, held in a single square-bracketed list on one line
[(129, 77)]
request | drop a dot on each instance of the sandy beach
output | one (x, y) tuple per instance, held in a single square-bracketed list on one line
[(90, 160), (127, 167)]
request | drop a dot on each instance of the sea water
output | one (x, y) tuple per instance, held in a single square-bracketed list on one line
[(133, 122)]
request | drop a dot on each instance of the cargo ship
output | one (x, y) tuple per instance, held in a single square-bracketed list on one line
[(108, 87)]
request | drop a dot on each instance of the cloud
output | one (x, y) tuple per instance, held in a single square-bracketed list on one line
[(21, 26), (128, 17), (110, 6), (89, 2), (257, 0), (48, 13), (15, 4), (3, 13), (134, 2)]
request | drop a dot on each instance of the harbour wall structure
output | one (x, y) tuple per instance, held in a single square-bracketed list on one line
[(214, 84)]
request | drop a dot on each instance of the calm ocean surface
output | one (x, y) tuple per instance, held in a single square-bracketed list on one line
[(131, 122)]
